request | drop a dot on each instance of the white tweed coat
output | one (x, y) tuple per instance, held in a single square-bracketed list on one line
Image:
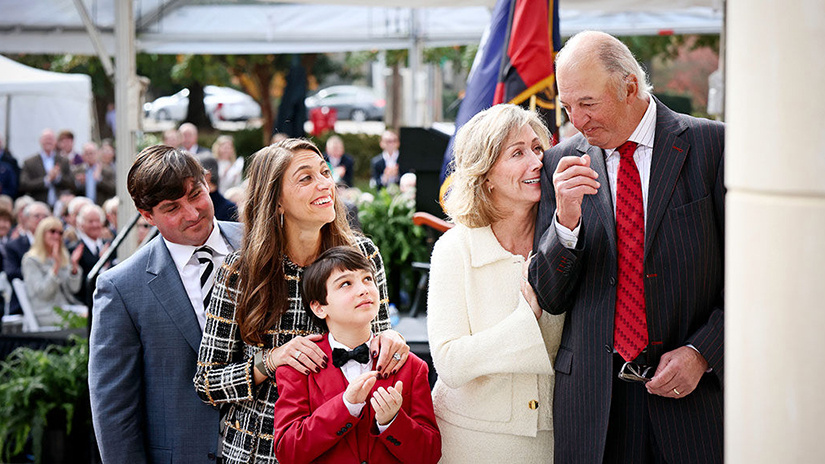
[(493, 358)]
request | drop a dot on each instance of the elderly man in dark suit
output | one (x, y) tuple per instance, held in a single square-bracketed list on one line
[(149, 316), (45, 174), (633, 249)]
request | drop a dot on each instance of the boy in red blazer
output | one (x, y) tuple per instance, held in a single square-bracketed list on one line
[(344, 413)]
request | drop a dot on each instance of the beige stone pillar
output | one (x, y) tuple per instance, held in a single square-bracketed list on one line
[(775, 240)]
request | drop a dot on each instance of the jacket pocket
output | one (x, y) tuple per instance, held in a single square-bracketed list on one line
[(488, 398), (689, 209), (160, 455), (564, 361)]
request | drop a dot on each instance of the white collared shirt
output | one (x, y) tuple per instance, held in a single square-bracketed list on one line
[(643, 136), (93, 246), (390, 159), (190, 269), (351, 370)]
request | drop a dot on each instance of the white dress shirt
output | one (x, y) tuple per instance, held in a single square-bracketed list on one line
[(351, 370), (190, 269), (94, 246), (643, 136)]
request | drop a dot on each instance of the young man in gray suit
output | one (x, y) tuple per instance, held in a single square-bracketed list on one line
[(633, 251), (149, 314)]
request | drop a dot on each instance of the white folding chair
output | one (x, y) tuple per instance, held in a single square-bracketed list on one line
[(29, 320)]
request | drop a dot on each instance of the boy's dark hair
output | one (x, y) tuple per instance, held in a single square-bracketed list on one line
[(314, 280), (159, 174)]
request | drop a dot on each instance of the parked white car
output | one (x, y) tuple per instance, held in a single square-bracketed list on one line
[(353, 102), (221, 103)]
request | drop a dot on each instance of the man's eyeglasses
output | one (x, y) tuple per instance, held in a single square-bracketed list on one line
[(632, 372)]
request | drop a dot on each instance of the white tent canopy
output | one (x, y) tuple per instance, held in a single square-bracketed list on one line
[(304, 26), (32, 100)]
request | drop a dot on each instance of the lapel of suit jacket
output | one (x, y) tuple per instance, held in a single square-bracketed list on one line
[(602, 201), (166, 284), (233, 235), (331, 382), (669, 153)]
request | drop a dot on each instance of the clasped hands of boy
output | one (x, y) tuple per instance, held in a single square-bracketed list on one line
[(385, 401)]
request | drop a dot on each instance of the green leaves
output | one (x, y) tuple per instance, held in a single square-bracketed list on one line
[(387, 220), (34, 386)]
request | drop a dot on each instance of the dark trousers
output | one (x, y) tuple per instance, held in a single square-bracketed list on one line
[(630, 438)]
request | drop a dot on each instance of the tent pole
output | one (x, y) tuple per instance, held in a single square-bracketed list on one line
[(94, 35), (127, 110)]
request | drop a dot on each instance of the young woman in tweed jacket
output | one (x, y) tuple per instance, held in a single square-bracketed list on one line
[(255, 321)]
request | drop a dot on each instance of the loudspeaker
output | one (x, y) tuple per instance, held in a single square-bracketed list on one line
[(422, 152)]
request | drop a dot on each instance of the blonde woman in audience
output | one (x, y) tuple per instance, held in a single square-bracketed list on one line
[(230, 167), (50, 274)]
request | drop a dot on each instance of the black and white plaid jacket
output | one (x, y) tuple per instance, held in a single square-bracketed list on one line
[(224, 377)]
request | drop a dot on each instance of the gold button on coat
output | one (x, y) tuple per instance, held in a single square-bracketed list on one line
[(533, 404)]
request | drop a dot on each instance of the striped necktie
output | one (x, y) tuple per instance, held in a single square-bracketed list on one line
[(205, 255), (630, 329)]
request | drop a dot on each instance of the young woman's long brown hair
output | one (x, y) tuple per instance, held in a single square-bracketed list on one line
[(262, 288)]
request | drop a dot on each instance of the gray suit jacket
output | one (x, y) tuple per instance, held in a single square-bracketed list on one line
[(143, 354), (684, 281)]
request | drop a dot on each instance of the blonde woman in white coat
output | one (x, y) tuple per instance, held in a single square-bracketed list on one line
[(492, 346)]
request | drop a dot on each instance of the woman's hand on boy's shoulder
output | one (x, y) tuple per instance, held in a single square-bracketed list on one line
[(391, 350), (302, 353)]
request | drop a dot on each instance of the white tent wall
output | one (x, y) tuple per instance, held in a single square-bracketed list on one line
[(32, 100), (311, 26)]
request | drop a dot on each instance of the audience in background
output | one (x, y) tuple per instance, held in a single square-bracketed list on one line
[(225, 210), (92, 179), (189, 140), (171, 137), (384, 166), (19, 206), (110, 208), (90, 229), (51, 275), (70, 217), (342, 164), (46, 174), (9, 171), (65, 147), (107, 153), (230, 167)]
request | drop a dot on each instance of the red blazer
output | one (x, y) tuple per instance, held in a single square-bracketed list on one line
[(313, 425)]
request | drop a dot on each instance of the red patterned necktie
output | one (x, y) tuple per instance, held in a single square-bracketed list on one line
[(630, 328)]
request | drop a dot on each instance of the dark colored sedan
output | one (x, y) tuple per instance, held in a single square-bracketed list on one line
[(350, 101)]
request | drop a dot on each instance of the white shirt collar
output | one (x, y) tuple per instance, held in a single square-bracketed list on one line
[(94, 245), (181, 254), (390, 158), (333, 343), (645, 131)]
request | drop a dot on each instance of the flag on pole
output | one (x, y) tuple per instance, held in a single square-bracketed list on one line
[(514, 64)]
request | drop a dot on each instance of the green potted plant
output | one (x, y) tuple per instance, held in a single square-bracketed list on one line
[(386, 218), (39, 391)]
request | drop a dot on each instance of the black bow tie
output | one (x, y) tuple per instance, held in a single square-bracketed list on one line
[(360, 354)]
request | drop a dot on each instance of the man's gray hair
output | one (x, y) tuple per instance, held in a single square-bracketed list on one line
[(611, 53), (81, 215)]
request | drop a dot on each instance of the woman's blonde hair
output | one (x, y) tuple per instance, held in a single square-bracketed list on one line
[(262, 287), (216, 147), (477, 147), (39, 250)]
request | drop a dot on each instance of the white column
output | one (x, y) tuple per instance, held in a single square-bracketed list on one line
[(127, 107), (775, 241)]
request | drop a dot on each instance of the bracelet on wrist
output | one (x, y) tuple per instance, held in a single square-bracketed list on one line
[(258, 362), (270, 368)]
